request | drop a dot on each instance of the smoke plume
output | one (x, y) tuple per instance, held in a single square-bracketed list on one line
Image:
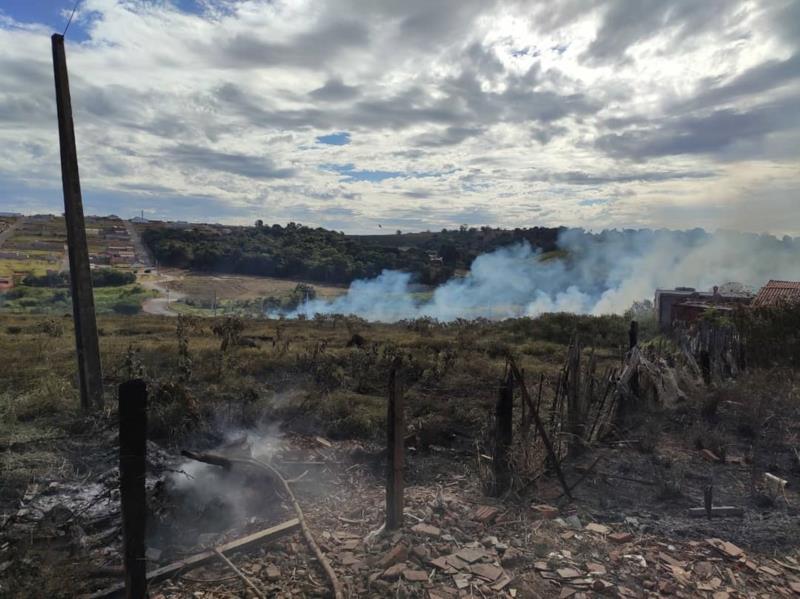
[(598, 274)]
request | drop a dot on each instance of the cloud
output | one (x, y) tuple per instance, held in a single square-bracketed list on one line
[(628, 22), (200, 158), (707, 134), (509, 111)]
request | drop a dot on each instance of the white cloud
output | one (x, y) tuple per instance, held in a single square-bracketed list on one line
[(517, 113)]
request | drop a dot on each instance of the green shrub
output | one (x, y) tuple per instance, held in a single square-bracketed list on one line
[(127, 306)]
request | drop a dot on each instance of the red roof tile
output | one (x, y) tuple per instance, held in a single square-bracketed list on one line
[(776, 292)]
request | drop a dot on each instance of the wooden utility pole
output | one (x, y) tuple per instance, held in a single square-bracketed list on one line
[(504, 435), (132, 455), (86, 345), (395, 452)]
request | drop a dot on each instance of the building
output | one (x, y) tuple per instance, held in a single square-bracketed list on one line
[(777, 293), (687, 304), (6, 283)]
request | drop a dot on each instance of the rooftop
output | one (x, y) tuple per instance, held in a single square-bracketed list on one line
[(776, 292)]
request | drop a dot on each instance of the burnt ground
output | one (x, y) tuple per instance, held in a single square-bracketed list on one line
[(626, 533)]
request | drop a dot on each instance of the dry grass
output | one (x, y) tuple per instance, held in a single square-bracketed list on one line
[(239, 287)]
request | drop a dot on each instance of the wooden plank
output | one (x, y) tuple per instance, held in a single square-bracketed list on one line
[(720, 511), (244, 543), (87, 348)]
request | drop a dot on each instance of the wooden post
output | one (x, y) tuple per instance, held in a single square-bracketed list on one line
[(575, 411), (504, 435), (395, 434), (633, 335), (132, 453), (86, 344), (633, 341)]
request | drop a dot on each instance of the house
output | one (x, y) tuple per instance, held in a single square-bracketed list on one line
[(777, 293), (686, 303), (6, 283)]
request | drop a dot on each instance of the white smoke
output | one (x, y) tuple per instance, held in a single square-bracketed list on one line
[(600, 274)]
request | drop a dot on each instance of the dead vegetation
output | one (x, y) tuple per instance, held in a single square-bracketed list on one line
[(641, 440)]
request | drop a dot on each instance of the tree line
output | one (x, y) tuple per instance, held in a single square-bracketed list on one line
[(321, 255)]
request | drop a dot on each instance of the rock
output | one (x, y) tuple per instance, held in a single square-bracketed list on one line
[(544, 511), (620, 537), (490, 541), (710, 455), (273, 573), (511, 556), (426, 530), (632, 521), (601, 586), (574, 522)]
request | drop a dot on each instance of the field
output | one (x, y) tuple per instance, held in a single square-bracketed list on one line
[(316, 390)]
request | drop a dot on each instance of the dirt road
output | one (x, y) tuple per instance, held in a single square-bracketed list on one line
[(160, 305), (142, 255)]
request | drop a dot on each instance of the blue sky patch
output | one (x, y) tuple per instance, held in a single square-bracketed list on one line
[(350, 173), (341, 138), (596, 202)]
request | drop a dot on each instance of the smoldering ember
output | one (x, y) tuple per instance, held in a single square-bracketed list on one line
[(539, 335)]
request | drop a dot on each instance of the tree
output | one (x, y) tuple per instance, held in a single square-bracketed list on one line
[(259, 224)]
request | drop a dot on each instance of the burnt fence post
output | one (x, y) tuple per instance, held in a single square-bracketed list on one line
[(395, 453), (503, 436), (132, 455)]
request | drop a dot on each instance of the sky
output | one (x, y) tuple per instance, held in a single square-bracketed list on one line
[(369, 116)]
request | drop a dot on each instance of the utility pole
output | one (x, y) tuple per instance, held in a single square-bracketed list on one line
[(86, 343)]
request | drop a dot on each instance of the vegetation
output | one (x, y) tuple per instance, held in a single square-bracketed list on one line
[(126, 299), (102, 277), (316, 254)]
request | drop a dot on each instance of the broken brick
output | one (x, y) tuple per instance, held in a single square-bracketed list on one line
[(394, 572), (398, 553), (487, 571), (620, 537), (598, 528), (544, 511), (415, 575), (485, 514), (427, 530)]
